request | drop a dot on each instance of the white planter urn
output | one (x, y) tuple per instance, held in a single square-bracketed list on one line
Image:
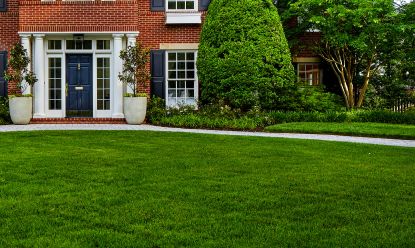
[(135, 109), (20, 110)]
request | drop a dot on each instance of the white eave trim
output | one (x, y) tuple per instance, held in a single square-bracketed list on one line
[(183, 18)]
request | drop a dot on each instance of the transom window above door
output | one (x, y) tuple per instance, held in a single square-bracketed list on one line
[(181, 4), (79, 44)]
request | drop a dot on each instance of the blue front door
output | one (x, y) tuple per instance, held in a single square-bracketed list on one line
[(79, 85)]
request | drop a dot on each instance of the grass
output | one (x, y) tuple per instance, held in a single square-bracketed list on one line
[(150, 189), (347, 128)]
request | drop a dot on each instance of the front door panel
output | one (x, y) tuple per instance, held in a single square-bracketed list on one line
[(79, 85)]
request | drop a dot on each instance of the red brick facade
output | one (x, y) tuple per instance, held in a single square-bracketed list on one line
[(52, 17), (104, 16), (9, 25)]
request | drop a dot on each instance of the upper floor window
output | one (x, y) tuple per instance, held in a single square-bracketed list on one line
[(181, 4), (309, 73)]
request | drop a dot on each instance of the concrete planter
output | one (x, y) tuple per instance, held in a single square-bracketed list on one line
[(135, 109), (20, 110)]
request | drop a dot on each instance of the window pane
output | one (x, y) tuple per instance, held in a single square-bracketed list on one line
[(181, 56), (55, 82), (87, 44), (103, 84), (172, 56), (190, 74), (172, 74), (172, 5), (103, 45), (70, 44), (172, 65), (190, 56), (181, 65), (172, 84), (190, 65), (181, 5), (190, 5), (181, 84)]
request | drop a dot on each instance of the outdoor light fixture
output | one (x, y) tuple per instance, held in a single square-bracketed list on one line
[(78, 37)]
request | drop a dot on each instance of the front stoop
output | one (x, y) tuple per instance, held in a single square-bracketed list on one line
[(78, 121)]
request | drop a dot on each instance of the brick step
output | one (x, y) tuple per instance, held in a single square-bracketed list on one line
[(78, 121)]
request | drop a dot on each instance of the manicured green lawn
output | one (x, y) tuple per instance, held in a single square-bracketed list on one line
[(149, 189), (345, 128)]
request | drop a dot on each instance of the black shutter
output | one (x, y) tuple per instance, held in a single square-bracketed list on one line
[(204, 4), (3, 5), (3, 67), (156, 5), (158, 71)]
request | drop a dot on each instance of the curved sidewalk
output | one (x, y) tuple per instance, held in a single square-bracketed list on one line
[(115, 127)]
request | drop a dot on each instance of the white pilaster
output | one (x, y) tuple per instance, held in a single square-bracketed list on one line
[(131, 41), (25, 39), (38, 68), (118, 111)]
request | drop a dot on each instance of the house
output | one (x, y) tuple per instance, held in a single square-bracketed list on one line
[(74, 46)]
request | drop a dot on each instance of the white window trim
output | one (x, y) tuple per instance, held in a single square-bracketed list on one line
[(53, 113), (166, 81), (196, 7), (97, 112), (95, 54)]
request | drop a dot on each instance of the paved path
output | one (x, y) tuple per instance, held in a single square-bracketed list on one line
[(363, 140)]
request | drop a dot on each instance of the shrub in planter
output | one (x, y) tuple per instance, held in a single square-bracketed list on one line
[(17, 72), (243, 57), (135, 76)]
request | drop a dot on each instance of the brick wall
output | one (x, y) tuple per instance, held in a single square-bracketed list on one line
[(9, 22), (93, 16)]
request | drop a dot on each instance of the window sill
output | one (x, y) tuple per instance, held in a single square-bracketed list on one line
[(183, 18)]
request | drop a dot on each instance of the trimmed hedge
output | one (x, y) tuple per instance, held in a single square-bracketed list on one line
[(244, 60)]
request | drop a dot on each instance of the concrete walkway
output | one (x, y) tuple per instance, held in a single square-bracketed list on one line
[(107, 127)]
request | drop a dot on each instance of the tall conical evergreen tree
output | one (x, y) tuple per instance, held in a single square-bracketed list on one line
[(244, 58)]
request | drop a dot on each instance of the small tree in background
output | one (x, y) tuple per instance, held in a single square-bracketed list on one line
[(135, 74), (355, 38), (17, 71), (244, 59)]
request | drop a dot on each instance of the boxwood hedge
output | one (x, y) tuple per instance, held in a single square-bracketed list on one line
[(244, 58)]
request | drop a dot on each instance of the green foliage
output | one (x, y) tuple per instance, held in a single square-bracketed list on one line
[(356, 34), (314, 99), (4, 111), (135, 74), (244, 59), (17, 69)]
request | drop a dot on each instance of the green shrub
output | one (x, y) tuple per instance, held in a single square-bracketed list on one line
[(4, 111), (243, 58), (315, 99)]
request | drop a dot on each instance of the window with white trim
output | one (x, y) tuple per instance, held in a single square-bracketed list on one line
[(182, 85), (309, 73), (55, 83), (103, 84), (181, 4)]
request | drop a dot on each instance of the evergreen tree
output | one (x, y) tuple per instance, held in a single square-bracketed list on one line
[(244, 60)]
